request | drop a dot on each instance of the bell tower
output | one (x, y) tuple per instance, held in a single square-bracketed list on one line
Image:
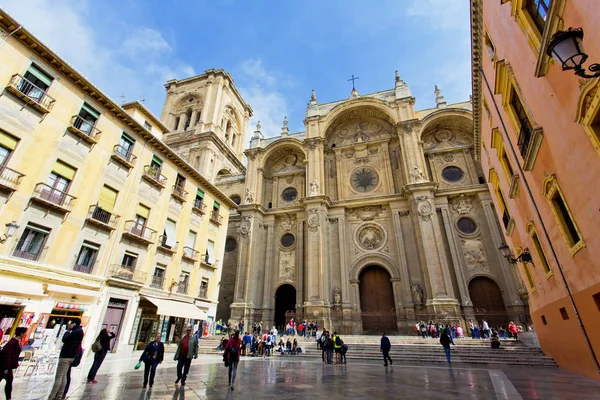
[(207, 118)]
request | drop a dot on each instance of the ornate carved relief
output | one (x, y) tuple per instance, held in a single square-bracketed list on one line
[(462, 204), (249, 197), (367, 213), (313, 220), (359, 132), (424, 208), (416, 175), (287, 221), (246, 225), (314, 188), (418, 297), (474, 254), (337, 298), (287, 267), (370, 236)]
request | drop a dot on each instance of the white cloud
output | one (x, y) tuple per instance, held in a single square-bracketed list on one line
[(439, 14), (260, 89), (132, 67)]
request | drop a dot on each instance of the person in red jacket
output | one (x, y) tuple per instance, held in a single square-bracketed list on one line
[(512, 328), (233, 349), (9, 360)]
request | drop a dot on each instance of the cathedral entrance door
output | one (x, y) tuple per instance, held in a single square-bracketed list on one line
[(487, 301), (377, 300), (285, 301)]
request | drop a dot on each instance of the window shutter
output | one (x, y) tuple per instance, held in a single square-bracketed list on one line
[(191, 239), (200, 193), (64, 170), (90, 110), (216, 206), (143, 211), (170, 231), (41, 75), (108, 198), (211, 252), (7, 141), (157, 160)]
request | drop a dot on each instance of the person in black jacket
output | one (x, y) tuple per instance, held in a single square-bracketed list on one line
[(445, 340), (104, 337), (385, 347), (9, 360), (71, 341), (152, 356)]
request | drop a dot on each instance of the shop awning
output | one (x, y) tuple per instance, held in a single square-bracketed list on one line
[(179, 309), (20, 287)]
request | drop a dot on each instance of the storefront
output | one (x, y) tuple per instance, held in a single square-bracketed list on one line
[(11, 310)]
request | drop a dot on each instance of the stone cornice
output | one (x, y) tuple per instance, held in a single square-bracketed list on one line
[(476, 46)]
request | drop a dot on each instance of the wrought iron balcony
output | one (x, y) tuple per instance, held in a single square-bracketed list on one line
[(215, 217), (162, 245), (29, 254), (9, 178), (86, 269), (207, 262), (154, 176), (525, 135), (139, 232), (84, 129), (190, 254), (203, 294), (123, 156), (198, 206), (179, 193), (53, 198), (104, 219), (126, 273), (30, 93), (157, 282), (182, 288)]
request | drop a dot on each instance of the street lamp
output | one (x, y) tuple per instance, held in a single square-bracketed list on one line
[(11, 228), (566, 47), (525, 256)]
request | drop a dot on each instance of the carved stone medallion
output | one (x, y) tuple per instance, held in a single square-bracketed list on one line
[(313, 219), (370, 236), (287, 222), (474, 254), (424, 208), (246, 225), (462, 204)]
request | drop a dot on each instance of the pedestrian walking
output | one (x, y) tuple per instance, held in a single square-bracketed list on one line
[(233, 349), (71, 342), (9, 360), (153, 355), (512, 328), (385, 348), (104, 338), (187, 349), (445, 340), (344, 351), (75, 363)]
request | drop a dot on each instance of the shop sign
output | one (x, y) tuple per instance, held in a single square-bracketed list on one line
[(70, 306)]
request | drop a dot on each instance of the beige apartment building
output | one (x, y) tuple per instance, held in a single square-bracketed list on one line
[(103, 220)]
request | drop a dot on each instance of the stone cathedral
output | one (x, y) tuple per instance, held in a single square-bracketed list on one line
[(375, 217)]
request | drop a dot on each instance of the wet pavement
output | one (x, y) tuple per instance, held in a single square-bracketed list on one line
[(286, 377)]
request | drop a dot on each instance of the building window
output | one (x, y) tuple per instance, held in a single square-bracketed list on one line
[(525, 128), (563, 215), (87, 257), (125, 147), (287, 240), (597, 300), (230, 245), (466, 225), (537, 245), (7, 144), (507, 221), (538, 11), (184, 279), (36, 83), (563, 313), (85, 121), (452, 174), (236, 199), (57, 185), (167, 240), (147, 125), (544, 320), (203, 294), (491, 49), (209, 257), (129, 261), (31, 244), (289, 194), (159, 276), (156, 164), (140, 220)]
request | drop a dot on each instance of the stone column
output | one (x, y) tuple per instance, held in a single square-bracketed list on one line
[(207, 109), (269, 278), (344, 261), (356, 321), (218, 106), (240, 299), (405, 280), (193, 119)]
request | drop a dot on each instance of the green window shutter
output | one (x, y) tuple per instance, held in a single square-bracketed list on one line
[(90, 110), (157, 160), (216, 206), (200, 193), (38, 73)]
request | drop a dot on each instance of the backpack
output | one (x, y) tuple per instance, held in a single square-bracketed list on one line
[(323, 339), (96, 346), (338, 341)]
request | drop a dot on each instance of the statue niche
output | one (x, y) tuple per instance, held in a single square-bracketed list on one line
[(284, 178)]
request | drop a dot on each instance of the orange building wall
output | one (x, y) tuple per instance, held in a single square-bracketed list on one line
[(565, 151)]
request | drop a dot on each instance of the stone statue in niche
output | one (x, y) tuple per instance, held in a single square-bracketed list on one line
[(416, 175), (249, 197), (337, 297), (474, 254), (417, 294), (314, 188)]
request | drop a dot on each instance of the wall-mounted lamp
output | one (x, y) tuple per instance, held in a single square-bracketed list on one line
[(566, 47), (525, 256), (11, 228)]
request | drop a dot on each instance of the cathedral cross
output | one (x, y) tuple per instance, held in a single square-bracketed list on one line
[(353, 79)]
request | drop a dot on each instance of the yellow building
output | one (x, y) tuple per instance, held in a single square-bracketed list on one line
[(113, 226)]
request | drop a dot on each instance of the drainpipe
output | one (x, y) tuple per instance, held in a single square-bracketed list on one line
[(9, 35)]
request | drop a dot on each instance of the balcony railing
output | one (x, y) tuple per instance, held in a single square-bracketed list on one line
[(9, 178), (524, 138), (215, 217), (52, 197), (29, 255), (182, 288), (203, 294), (179, 193), (137, 231), (31, 94), (98, 216), (123, 156), (154, 176), (162, 244), (84, 129), (190, 254), (198, 206), (86, 269), (126, 273), (157, 282)]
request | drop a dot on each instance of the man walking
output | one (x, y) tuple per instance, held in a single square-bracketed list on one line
[(337, 347), (186, 350), (9, 360), (486, 329), (385, 348), (71, 341)]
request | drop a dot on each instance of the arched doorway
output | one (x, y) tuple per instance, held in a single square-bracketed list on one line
[(285, 300), (377, 300), (487, 301)]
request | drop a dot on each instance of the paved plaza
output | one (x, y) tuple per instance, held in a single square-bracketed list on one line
[(286, 377)]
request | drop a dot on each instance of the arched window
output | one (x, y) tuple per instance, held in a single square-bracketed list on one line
[(233, 140), (176, 124), (228, 131), (188, 119), (198, 116)]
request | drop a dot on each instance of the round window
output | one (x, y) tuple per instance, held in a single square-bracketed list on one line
[(288, 240), (466, 225), (230, 245), (452, 174), (236, 199), (364, 179), (289, 194)]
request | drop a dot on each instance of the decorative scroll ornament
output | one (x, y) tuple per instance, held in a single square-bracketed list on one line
[(287, 222), (462, 204), (424, 208), (367, 213), (313, 219), (246, 225)]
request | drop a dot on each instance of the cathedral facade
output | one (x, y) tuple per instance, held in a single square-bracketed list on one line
[(375, 217)]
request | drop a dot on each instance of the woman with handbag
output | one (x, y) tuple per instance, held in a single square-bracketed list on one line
[(233, 349), (152, 356), (103, 342)]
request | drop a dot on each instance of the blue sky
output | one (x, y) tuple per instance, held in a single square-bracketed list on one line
[(276, 51)]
